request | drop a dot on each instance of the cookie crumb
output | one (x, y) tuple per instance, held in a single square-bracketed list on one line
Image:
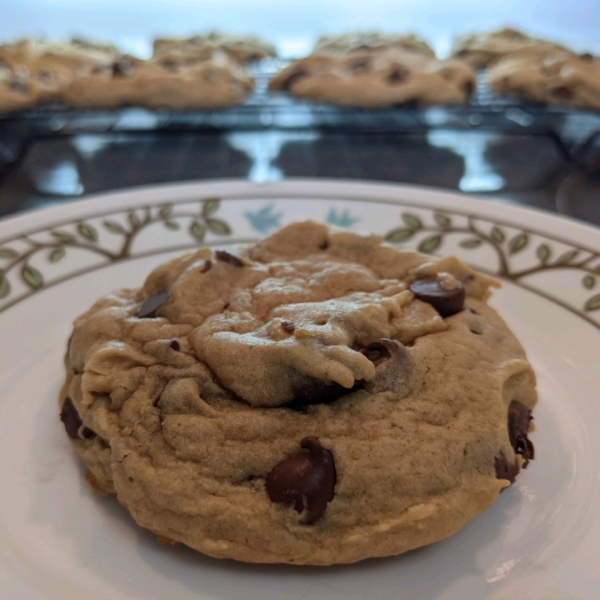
[(165, 541)]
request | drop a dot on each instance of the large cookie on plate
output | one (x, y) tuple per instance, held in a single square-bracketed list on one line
[(317, 398)]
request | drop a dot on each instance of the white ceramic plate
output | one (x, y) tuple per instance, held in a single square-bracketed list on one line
[(60, 540)]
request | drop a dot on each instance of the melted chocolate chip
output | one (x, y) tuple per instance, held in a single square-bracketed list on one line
[(174, 345), (393, 367), (378, 352), (314, 391), (122, 67), (288, 326), (207, 267), (468, 88), (169, 64), (230, 259), (431, 290), (398, 74), (71, 419), (586, 56), (292, 78), (18, 85), (519, 419), (504, 469), (150, 306), (562, 92), (360, 64), (305, 481), (88, 433)]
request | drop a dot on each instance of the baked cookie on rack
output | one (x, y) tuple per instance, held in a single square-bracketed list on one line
[(319, 397), (212, 80), (46, 69), (73, 53), (244, 49), (555, 77), (17, 89), (377, 79), (481, 49), (363, 41)]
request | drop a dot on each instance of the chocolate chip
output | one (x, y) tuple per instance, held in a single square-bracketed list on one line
[(18, 85), (308, 391), (398, 74), (122, 67), (587, 57), (150, 306), (288, 326), (468, 87), (293, 78), (393, 367), (88, 433), (563, 92), (174, 345), (377, 352), (207, 267), (446, 301), (360, 64), (169, 64), (519, 419), (504, 469), (230, 259), (70, 417), (305, 481)]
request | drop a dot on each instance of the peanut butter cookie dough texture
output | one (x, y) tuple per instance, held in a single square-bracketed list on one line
[(317, 398)]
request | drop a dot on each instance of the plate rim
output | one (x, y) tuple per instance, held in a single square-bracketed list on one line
[(88, 200), (95, 206)]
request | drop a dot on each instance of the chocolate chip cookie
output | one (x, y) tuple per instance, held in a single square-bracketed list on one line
[(317, 398), (212, 80), (482, 49), (377, 79), (242, 48), (554, 77), (372, 41)]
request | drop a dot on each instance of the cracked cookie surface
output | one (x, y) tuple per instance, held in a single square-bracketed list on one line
[(317, 398)]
